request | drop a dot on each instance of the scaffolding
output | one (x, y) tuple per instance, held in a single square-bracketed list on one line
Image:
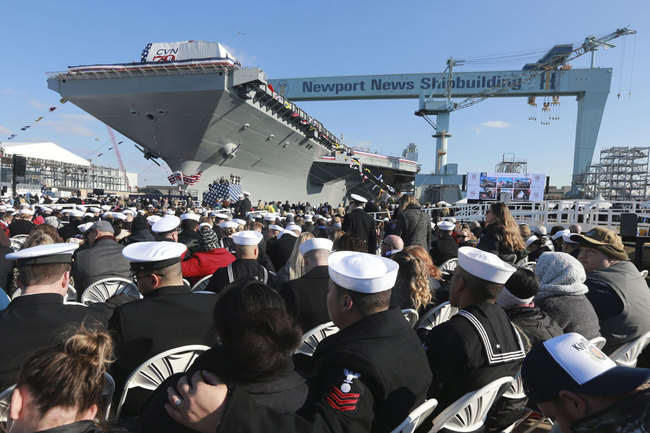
[(621, 174), (41, 174), (510, 164)]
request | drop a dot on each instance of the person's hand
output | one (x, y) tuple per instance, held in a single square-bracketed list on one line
[(199, 404)]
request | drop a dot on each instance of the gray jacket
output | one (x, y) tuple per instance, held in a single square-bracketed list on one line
[(414, 227), (103, 260), (574, 313)]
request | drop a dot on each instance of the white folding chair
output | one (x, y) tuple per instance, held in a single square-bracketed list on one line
[(448, 267), (644, 273), (468, 413), (5, 401), (529, 265), (102, 290), (202, 284), (437, 315), (187, 284), (627, 354), (71, 295), (155, 370), (411, 316), (204, 292), (107, 393), (416, 417), (516, 392), (599, 342), (17, 242), (314, 336)]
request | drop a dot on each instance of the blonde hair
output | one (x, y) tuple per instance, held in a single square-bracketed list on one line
[(414, 271), (511, 233), (296, 261), (406, 200)]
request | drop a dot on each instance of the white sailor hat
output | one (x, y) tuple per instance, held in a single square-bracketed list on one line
[(141, 212), (153, 255), (362, 272), (129, 211), (561, 234), (76, 213), (315, 244), (166, 224), (240, 195), (89, 214), (190, 216), (446, 225), (81, 208), (65, 211), (247, 193), (26, 211), (484, 265), (204, 225), (95, 209), (228, 225), (566, 237), (83, 228), (221, 216), (170, 212), (287, 232), (308, 217), (270, 217), (42, 254), (119, 215), (530, 240), (247, 237), (357, 197), (239, 221), (251, 216), (540, 230), (107, 214), (106, 207), (275, 227), (294, 228), (46, 209), (24, 205), (452, 219)]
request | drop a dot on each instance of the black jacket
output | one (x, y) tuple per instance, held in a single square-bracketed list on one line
[(34, 322), (367, 377), (443, 249), (534, 323), (241, 269), (492, 242), (359, 223), (306, 298), (280, 250)]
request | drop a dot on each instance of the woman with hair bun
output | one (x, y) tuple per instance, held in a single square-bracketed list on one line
[(60, 388), (257, 336)]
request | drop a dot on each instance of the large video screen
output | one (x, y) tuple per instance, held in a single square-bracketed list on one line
[(491, 186)]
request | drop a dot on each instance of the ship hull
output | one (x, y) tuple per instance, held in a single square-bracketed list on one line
[(213, 123)]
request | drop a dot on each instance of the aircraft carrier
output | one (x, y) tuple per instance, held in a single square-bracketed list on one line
[(192, 105)]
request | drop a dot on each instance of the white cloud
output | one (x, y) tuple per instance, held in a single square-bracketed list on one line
[(4, 130), (244, 58), (498, 124), (36, 104), (69, 127), (83, 117)]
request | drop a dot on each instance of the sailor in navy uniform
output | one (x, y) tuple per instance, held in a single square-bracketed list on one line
[(38, 317), (367, 377), (166, 228), (479, 344), (306, 297), (359, 223), (246, 266)]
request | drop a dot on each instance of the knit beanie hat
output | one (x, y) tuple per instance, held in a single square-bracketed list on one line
[(560, 274), (53, 221), (208, 238)]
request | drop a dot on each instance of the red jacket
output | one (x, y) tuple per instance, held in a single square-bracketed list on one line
[(204, 263)]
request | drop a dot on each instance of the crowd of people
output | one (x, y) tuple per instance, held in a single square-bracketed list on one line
[(264, 276)]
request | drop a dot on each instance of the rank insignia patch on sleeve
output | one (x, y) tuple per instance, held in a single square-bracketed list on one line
[(343, 401)]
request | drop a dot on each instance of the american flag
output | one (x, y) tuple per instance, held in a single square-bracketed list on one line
[(222, 191), (176, 176)]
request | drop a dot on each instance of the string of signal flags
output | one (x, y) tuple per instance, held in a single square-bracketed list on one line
[(38, 119)]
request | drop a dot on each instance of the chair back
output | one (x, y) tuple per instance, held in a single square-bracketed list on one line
[(5, 401), (102, 290), (437, 315), (411, 316), (644, 273), (17, 242), (107, 393), (627, 354), (599, 342), (187, 284), (155, 370), (204, 292), (314, 336), (448, 267), (468, 413), (202, 284), (416, 417), (529, 265), (71, 295)]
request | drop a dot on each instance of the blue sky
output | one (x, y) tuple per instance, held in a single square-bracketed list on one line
[(291, 39)]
